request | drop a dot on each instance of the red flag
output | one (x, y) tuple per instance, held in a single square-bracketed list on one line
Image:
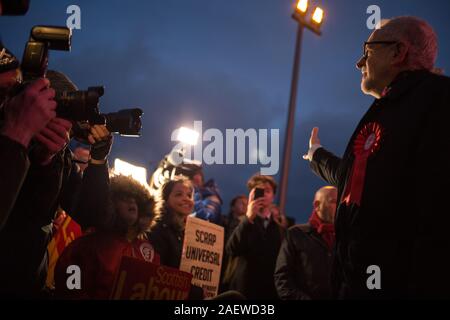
[(68, 231)]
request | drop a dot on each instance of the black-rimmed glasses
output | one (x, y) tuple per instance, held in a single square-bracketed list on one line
[(374, 42)]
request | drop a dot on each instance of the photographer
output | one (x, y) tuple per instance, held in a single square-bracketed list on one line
[(52, 181), (23, 116), (25, 238)]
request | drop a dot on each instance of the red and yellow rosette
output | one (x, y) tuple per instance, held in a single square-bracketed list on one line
[(366, 144)]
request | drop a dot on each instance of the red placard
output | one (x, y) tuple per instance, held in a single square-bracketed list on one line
[(140, 280)]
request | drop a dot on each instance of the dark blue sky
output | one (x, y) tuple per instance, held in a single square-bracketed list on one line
[(227, 63)]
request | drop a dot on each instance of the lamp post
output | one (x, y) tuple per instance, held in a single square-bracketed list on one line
[(312, 22)]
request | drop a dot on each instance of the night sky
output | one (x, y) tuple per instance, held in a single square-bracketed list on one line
[(227, 63)]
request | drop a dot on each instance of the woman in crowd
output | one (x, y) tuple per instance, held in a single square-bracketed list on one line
[(174, 204)]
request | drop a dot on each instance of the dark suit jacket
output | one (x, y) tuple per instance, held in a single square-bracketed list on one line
[(256, 248), (401, 224), (303, 270)]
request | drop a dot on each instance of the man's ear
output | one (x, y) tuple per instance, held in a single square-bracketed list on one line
[(400, 54), (316, 204)]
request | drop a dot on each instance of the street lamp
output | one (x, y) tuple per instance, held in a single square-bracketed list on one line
[(302, 14), (302, 6), (311, 21), (318, 16)]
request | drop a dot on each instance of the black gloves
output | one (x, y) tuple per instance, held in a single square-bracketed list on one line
[(101, 149)]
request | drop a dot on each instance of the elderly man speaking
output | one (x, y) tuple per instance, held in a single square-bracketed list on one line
[(392, 219)]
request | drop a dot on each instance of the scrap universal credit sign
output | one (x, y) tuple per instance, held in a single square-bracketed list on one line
[(202, 254)]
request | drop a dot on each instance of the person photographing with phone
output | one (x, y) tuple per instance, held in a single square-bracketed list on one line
[(261, 198), (255, 243)]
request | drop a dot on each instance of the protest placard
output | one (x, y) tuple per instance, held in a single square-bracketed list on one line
[(140, 280), (202, 254)]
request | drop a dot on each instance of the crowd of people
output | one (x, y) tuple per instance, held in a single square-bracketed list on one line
[(386, 192)]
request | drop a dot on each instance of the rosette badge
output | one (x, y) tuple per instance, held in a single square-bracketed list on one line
[(366, 144)]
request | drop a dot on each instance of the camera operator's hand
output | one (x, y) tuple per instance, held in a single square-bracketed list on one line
[(52, 139), (254, 206), (101, 141), (29, 112)]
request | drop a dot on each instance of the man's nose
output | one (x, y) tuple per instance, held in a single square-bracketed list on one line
[(361, 62)]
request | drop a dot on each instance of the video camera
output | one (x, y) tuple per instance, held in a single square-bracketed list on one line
[(173, 164)]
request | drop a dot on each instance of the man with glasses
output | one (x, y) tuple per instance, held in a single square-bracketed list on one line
[(391, 220)]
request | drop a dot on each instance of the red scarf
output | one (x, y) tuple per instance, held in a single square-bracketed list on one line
[(325, 230)]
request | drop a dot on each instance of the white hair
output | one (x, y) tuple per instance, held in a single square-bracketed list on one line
[(418, 35)]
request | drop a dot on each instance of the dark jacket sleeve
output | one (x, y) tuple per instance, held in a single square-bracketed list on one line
[(328, 166), (38, 200), (93, 208), (287, 266), (239, 241), (13, 171), (71, 186)]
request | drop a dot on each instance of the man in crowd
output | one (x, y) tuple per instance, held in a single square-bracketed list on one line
[(304, 262), (238, 208), (391, 229), (255, 242)]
